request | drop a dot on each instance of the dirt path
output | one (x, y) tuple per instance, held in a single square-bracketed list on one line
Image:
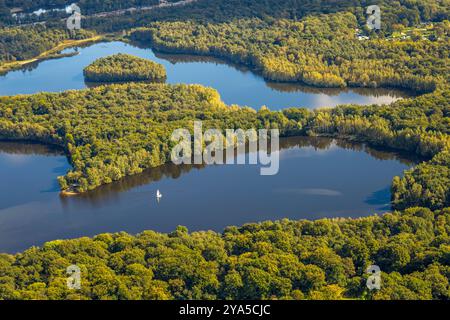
[(63, 45)]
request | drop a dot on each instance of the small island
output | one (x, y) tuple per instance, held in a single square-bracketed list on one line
[(124, 67)]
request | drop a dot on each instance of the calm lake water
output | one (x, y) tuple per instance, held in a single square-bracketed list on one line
[(235, 84), (318, 178)]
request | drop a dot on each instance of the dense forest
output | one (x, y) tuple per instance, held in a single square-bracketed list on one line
[(318, 50), (124, 67), (24, 43), (324, 259), (114, 131), (396, 13)]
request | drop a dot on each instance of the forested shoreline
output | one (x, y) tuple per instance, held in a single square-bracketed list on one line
[(113, 131), (320, 51), (322, 260)]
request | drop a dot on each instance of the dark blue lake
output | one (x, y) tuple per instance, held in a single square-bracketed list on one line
[(318, 178)]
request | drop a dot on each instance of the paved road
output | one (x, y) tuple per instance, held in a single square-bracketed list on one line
[(124, 11), (140, 9)]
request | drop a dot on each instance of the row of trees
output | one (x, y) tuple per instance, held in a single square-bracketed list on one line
[(324, 259), (124, 67)]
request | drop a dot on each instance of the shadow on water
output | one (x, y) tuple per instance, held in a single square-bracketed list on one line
[(368, 92), (380, 198), (29, 148), (110, 191), (99, 84)]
